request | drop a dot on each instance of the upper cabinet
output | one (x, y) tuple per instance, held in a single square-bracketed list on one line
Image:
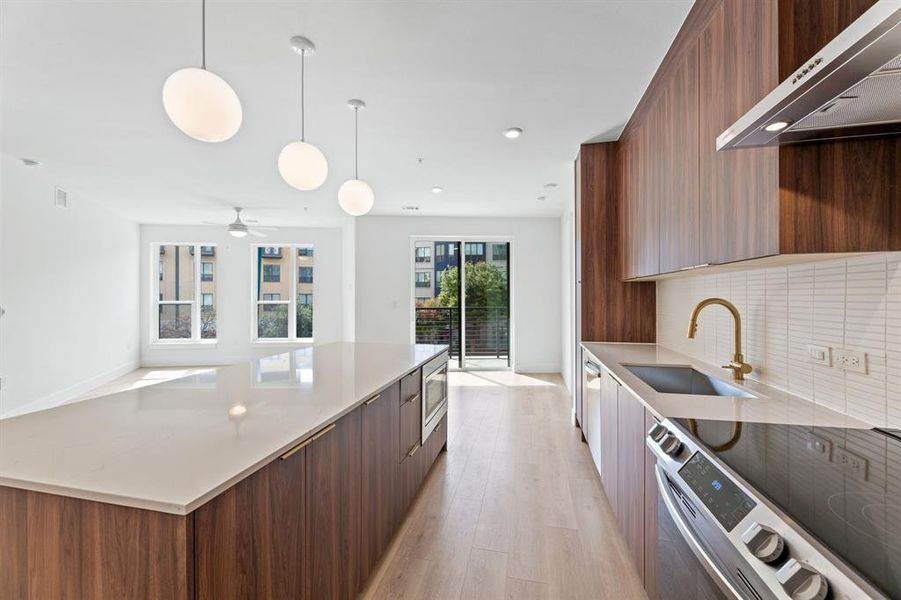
[(686, 205)]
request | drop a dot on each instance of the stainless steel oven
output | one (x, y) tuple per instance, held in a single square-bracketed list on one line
[(721, 537), (434, 394)]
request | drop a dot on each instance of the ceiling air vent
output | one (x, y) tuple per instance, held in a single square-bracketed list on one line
[(60, 197)]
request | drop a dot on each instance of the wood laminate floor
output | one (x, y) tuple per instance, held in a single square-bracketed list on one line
[(513, 510)]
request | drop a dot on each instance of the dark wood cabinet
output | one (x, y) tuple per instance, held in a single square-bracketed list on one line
[(630, 474), (677, 174), (738, 189), (381, 507), (249, 540), (410, 422), (685, 204), (332, 520)]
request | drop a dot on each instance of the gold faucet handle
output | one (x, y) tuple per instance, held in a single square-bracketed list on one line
[(739, 369)]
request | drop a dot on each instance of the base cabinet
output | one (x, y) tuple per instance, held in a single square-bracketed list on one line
[(309, 525)]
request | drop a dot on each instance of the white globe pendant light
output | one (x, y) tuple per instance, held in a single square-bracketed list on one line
[(355, 195), (199, 102), (301, 164)]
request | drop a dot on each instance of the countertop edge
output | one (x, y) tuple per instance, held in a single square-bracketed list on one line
[(183, 509)]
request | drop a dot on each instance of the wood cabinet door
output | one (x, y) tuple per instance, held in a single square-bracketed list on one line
[(609, 442), (410, 423), (249, 540), (631, 474), (381, 494), (678, 202), (739, 189), (332, 525)]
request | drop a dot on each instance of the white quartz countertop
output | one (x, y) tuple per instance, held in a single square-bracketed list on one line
[(171, 447), (770, 405)]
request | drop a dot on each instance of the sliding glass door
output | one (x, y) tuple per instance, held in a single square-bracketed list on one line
[(462, 299)]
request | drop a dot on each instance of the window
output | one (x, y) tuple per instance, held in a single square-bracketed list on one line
[(475, 249), (423, 254), (183, 280), (423, 279), (499, 252), (284, 308), (272, 273)]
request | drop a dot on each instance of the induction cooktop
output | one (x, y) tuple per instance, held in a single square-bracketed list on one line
[(843, 486)]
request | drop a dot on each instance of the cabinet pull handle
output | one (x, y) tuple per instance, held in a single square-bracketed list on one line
[(373, 399), (414, 449), (307, 442), (411, 398)]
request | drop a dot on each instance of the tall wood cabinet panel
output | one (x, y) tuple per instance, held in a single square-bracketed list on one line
[(332, 526), (611, 310), (678, 202), (249, 539), (380, 487), (630, 474), (609, 440), (738, 189)]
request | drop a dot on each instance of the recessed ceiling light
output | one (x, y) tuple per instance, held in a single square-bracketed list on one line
[(550, 186), (512, 133), (542, 198), (437, 189), (29, 162), (776, 126), (409, 208)]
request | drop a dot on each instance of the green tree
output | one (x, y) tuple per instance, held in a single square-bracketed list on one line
[(486, 285)]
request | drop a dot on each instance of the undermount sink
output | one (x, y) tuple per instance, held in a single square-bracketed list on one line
[(675, 379)]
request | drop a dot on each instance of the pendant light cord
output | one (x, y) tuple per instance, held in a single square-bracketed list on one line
[(356, 141), (203, 34), (303, 55)]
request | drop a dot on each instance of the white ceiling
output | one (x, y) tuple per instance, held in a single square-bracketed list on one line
[(81, 92)]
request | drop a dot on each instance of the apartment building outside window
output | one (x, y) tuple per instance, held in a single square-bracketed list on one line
[(423, 279), (283, 308), (184, 302), (423, 254)]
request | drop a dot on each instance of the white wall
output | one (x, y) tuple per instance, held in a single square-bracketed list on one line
[(384, 280), (844, 303), (233, 295), (70, 290), (567, 290)]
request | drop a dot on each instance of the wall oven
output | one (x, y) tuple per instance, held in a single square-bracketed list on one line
[(434, 394), (720, 536)]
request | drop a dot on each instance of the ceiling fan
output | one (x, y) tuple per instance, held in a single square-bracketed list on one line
[(239, 228)]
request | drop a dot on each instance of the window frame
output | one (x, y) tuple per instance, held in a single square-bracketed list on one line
[(293, 267), (196, 303)]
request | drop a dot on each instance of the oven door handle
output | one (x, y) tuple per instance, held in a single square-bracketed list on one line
[(685, 529)]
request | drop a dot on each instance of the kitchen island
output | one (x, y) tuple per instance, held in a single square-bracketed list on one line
[(281, 477)]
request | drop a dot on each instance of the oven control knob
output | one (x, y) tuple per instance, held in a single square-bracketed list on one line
[(801, 581), (658, 432), (763, 542), (671, 445)]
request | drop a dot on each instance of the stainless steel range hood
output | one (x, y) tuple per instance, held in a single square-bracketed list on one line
[(851, 88)]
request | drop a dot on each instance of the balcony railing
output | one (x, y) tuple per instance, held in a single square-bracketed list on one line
[(487, 330)]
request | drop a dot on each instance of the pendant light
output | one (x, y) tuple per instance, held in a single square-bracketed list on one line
[(356, 196), (301, 164), (199, 102)]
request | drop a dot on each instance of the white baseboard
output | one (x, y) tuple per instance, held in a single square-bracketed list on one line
[(537, 368), (68, 394)]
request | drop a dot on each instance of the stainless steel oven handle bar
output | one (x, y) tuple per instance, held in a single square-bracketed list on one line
[(685, 529)]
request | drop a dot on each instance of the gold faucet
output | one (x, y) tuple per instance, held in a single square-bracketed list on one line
[(738, 365)]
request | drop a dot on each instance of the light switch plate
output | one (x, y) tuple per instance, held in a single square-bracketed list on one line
[(819, 355), (4, 382), (850, 360)]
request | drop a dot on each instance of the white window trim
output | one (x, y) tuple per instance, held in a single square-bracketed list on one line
[(155, 302), (291, 302)]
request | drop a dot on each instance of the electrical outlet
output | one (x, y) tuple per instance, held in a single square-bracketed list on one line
[(851, 464), (851, 360), (819, 355)]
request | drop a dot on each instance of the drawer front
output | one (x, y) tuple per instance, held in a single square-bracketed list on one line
[(411, 385), (410, 422)]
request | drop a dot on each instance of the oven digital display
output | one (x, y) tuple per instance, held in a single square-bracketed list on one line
[(718, 493)]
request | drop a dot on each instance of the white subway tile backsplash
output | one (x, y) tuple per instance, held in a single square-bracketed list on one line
[(844, 303)]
